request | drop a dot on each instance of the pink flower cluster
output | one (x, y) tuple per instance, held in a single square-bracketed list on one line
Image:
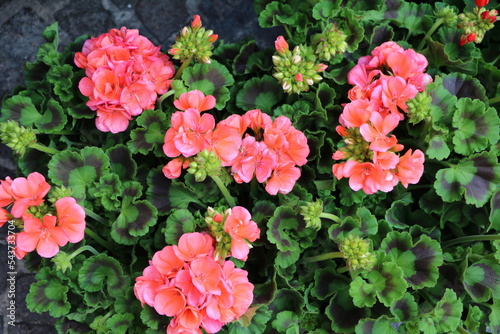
[(383, 82), (185, 282), (125, 73), (47, 233), (253, 145)]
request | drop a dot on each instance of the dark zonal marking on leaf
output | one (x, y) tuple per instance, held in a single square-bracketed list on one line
[(123, 233), (389, 286), (398, 244), (144, 215), (480, 183), (323, 290), (342, 317), (453, 187), (424, 258), (91, 160), (90, 275), (436, 144), (367, 326), (131, 191), (462, 86), (403, 306), (66, 166), (491, 278), (392, 9)]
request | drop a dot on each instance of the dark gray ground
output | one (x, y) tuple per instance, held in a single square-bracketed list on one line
[(22, 23)]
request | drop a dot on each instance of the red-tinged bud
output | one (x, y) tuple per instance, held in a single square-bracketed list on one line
[(212, 38), (471, 37), (173, 51), (321, 67), (196, 22), (341, 131), (298, 77), (218, 218), (281, 45), (481, 3)]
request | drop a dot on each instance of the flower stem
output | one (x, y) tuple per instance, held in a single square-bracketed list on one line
[(54, 133), (182, 67), (322, 257), (95, 216), (163, 97), (331, 217), (224, 190), (425, 131), (495, 99), (82, 249), (470, 238), (342, 270), (98, 239), (43, 148), (430, 32)]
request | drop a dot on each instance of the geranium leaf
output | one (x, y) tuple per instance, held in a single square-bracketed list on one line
[(463, 85), (179, 222), (341, 310), (211, 79), (259, 316), (325, 96), (352, 28), (419, 261), (149, 136), (275, 13), (121, 162), (482, 280), (494, 316), (284, 219), (100, 271), (241, 59), (54, 119), (51, 34), (324, 283), (62, 79), (381, 33), (287, 300), (259, 93), (78, 170), (362, 293), (324, 10), (21, 109), (476, 126), (474, 178), (387, 279), (495, 210), (108, 189), (475, 321), (374, 326), (152, 319), (448, 312), (49, 293), (415, 17), (405, 309), (286, 322), (438, 148), (120, 323)]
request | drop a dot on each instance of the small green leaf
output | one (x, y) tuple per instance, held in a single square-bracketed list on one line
[(108, 189), (120, 323), (476, 126), (78, 170), (474, 178), (448, 312), (286, 322), (179, 222), (62, 79), (362, 293), (495, 210), (101, 271), (121, 162), (405, 309), (388, 280), (375, 326), (150, 133), (284, 219), (49, 293), (482, 280), (324, 10), (475, 321), (21, 109), (259, 93), (54, 119), (438, 148)]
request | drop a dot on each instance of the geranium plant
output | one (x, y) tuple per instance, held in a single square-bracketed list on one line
[(342, 180)]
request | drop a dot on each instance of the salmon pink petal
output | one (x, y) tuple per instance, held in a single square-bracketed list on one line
[(27, 242), (47, 247), (239, 248), (206, 274), (167, 263), (169, 301), (193, 245), (173, 169), (211, 325), (112, 119), (283, 179), (190, 318), (71, 218)]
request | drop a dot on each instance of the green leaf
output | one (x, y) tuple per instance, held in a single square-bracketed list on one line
[(438, 148), (211, 79), (121, 162), (255, 325), (152, 319), (405, 309), (286, 322), (351, 26), (482, 280), (179, 222), (49, 293), (78, 170), (475, 321), (62, 79), (325, 280), (362, 293), (287, 300), (420, 261), (100, 271), (324, 10), (462, 85), (474, 178), (21, 109), (150, 133), (54, 119), (51, 34), (375, 326), (415, 17), (494, 316), (275, 14), (495, 210), (108, 189), (387, 279), (120, 323), (283, 220), (476, 126), (259, 93), (448, 312)]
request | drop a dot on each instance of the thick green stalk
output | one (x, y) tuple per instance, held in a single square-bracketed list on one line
[(182, 67), (224, 190), (44, 148), (430, 32), (322, 257), (470, 238), (98, 239), (495, 99), (331, 217)]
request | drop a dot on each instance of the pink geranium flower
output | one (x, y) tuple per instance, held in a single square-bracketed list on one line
[(410, 167), (241, 229), (377, 132), (42, 235), (71, 218), (356, 113), (6, 195), (146, 286), (283, 179), (167, 262), (192, 246), (195, 99), (224, 142), (169, 301), (27, 192), (5, 216)]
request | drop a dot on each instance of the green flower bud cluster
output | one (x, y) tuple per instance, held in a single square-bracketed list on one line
[(311, 213), (62, 261), (215, 219), (16, 136), (448, 15), (297, 70), (356, 147), (476, 23), (419, 107), (329, 43), (357, 253), (194, 42), (204, 164), (57, 193)]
